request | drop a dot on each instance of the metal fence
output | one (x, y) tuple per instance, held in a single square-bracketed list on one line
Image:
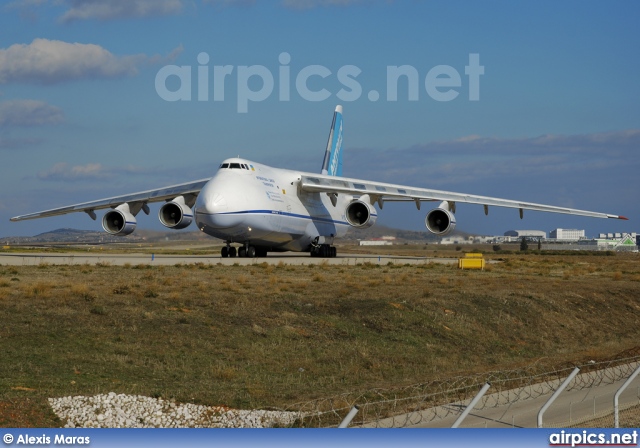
[(431, 403)]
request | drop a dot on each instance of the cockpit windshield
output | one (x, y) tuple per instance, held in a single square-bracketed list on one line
[(236, 166)]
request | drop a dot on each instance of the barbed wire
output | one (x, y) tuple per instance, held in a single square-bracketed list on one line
[(434, 400)]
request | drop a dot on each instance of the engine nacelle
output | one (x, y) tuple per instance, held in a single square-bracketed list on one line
[(175, 215), (119, 222), (440, 221), (361, 214)]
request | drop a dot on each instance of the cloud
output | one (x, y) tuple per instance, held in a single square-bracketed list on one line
[(478, 159), (120, 9), (75, 10), (46, 61), (28, 9), (62, 172), (29, 113)]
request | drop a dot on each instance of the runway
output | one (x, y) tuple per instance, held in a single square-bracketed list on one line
[(34, 259)]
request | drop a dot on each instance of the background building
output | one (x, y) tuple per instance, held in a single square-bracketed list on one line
[(567, 234), (534, 234)]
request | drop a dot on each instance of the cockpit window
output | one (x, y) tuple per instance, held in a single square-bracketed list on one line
[(237, 166)]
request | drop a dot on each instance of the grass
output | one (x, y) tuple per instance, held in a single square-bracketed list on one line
[(274, 335)]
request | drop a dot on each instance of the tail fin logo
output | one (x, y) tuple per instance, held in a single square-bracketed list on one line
[(332, 164), (335, 167)]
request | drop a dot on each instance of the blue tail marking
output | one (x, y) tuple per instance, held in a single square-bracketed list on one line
[(332, 163)]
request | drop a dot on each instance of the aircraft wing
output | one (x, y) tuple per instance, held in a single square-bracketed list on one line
[(139, 199), (381, 192)]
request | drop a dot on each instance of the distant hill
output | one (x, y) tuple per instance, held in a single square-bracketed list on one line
[(64, 233), (68, 235)]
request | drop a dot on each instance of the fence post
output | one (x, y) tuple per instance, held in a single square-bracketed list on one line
[(352, 413), (616, 397), (471, 405), (558, 391)]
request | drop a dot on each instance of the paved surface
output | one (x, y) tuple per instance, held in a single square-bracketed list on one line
[(27, 259), (571, 407)]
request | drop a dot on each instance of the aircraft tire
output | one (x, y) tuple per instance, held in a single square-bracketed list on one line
[(251, 252), (242, 252), (224, 253), (232, 252)]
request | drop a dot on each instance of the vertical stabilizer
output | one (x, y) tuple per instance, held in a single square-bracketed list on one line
[(332, 163)]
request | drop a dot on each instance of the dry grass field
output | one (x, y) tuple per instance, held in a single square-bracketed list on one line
[(265, 335)]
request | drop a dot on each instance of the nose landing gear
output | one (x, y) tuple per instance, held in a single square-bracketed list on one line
[(245, 251)]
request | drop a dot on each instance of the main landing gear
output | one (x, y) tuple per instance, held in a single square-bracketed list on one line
[(324, 251), (228, 251), (244, 251)]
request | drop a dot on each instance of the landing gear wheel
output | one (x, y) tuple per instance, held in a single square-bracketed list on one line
[(224, 253), (232, 252), (324, 251), (242, 252), (251, 252)]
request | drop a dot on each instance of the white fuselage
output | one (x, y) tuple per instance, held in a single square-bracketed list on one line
[(246, 202)]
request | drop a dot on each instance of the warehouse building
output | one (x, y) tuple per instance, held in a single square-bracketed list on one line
[(532, 234), (567, 234)]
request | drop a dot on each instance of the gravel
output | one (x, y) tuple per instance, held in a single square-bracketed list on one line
[(135, 411)]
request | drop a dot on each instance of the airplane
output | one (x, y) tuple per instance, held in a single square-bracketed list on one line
[(271, 209)]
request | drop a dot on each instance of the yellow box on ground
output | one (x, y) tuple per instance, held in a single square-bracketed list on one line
[(473, 255), (471, 261)]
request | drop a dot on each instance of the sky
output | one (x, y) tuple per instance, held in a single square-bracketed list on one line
[(534, 101)]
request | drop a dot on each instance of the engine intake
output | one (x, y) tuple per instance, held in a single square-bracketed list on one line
[(440, 221), (119, 222), (361, 214), (175, 215)]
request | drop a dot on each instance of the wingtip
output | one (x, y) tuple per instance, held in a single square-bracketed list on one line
[(624, 218)]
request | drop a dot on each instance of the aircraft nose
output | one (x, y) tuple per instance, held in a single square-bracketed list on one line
[(212, 210)]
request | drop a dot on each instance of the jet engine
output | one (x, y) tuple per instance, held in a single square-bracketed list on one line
[(361, 214), (119, 221), (175, 214), (440, 221)]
